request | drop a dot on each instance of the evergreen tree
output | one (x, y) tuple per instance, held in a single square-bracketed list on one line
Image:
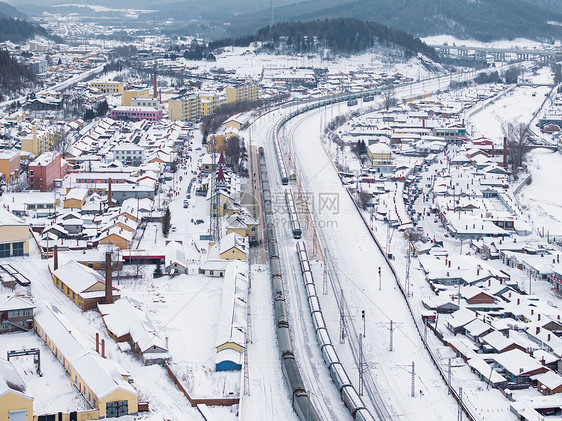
[(89, 114), (166, 222), (158, 271)]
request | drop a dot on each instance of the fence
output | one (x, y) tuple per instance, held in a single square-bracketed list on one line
[(200, 401)]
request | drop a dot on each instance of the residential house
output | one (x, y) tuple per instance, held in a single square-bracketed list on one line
[(15, 405), (16, 313), (14, 235)]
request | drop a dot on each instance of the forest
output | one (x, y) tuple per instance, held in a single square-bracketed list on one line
[(13, 75), (16, 30), (343, 36)]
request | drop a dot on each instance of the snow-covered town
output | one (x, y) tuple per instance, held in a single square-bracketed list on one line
[(245, 232)]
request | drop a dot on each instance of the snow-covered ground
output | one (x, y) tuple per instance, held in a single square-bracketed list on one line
[(515, 43)]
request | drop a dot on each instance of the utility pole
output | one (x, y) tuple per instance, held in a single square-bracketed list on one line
[(391, 335), (342, 319), (380, 278), (325, 276), (459, 414), (361, 365), (449, 375), (413, 380)]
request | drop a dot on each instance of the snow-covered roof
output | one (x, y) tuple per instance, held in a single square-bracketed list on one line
[(517, 362), (175, 254), (477, 327), (485, 370), (550, 379), (101, 377), (232, 318), (10, 380), (9, 219), (77, 277), (16, 303), (124, 317), (232, 240)]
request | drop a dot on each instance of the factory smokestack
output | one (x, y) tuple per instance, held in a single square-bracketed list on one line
[(108, 279)]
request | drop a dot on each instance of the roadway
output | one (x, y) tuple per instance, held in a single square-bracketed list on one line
[(60, 86)]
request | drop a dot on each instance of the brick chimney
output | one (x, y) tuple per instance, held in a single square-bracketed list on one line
[(55, 257), (97, 342), (108, 280), (103, 348), (109, 201)]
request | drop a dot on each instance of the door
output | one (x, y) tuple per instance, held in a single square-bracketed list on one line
[(18, 415)]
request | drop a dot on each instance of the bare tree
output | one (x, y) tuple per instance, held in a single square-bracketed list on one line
[(62, 143), (517, 135), (388, 95)]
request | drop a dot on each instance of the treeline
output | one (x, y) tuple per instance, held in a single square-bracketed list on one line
[(211, 123), (16, 30), (13, 75), (342, 36)]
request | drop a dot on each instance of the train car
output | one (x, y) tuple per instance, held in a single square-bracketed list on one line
[(352, 102), (339, 376), (351, 399), (363, 414), (293, 215)]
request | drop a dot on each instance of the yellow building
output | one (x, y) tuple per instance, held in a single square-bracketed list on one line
[(216, 142), (14, 235), (82, 285), (134, 93), (210, 102), (193, 107), (379, 154), (117, 236), (233, 247), (187, 108), (244, 225), (15, 405), (10, 165), (75, 198), (41, 140), (247, 91), (109, 87), (103, 383)]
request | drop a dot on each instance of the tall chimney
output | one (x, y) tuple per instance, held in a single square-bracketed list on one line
[(103, 348), (505, 153), (109, 201), (108, 279), (55, 257), (97, 342), (155, 86)]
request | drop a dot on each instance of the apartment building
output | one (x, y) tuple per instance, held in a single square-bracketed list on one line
[(247, 91), (47, 168), (42, 140), (109, 87)]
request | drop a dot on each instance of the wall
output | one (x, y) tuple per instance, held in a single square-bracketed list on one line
[(11, 401), (15, 233)]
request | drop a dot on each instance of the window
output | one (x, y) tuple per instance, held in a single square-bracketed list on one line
[(116, 409), (5, 250), (18, 249)]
